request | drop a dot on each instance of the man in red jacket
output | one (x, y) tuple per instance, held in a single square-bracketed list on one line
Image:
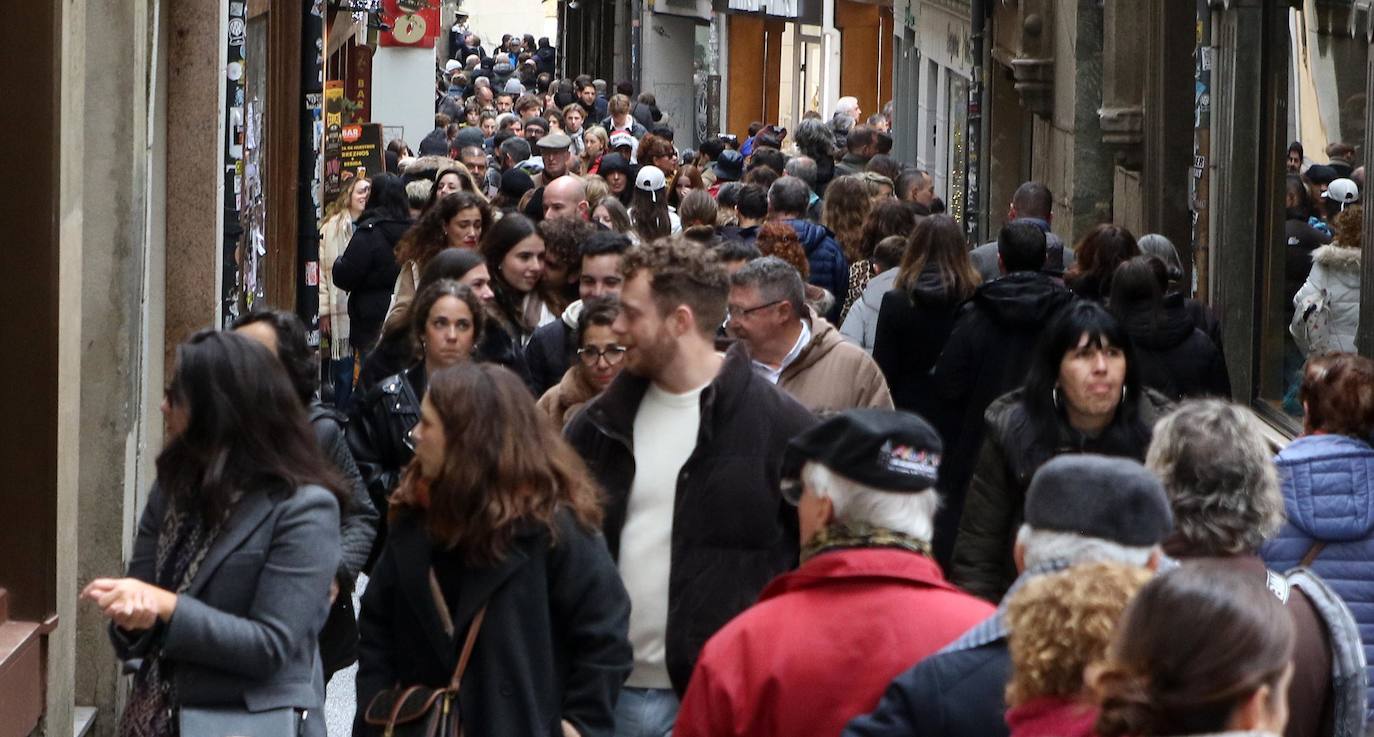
[(867, 602)]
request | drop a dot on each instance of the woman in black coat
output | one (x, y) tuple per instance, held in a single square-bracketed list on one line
[(1175, 358), (367, 270), (917, 315), (481, 522)]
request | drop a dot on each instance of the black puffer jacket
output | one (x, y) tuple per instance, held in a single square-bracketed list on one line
[(732, 531), (378, 431), (1174, 357), (912, 329), (996, 501), (367, 270), (986, 356)]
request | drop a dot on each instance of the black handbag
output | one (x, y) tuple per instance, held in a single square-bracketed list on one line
[(422, 711)]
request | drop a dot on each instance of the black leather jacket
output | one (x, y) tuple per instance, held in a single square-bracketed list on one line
[(378, 434)]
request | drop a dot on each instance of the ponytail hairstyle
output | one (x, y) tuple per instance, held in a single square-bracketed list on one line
[(1193, 645)]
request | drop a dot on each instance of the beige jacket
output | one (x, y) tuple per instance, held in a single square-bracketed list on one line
[(831, 374), (567, 397)]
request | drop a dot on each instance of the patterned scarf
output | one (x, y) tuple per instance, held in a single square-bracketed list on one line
[(848, 535), (185, 539)]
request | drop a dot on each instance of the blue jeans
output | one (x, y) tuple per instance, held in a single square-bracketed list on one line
[(645, 712), (341, 375)]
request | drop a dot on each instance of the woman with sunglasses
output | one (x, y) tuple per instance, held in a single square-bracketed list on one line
[(599, 360), (446, 321)]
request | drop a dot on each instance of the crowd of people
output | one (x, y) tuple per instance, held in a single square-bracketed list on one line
[(748, 440)]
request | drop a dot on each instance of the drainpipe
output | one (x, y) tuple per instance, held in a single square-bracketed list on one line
[(973, 180)]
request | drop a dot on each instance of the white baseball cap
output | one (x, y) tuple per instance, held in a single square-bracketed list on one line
[(1344, 191), (650, 179)]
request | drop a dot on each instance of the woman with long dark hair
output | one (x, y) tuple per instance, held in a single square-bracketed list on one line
[(367, 270), (916, 316), (1097, 255), (515, 257), (284, 334), (1175, 357), (449, 181), (1201, 650), (446, 323), (229, 581), (1082, 395), (483, 524), (457, 221)]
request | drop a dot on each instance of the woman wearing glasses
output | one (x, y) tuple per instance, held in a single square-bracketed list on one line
[(446, 321), (599, 360)]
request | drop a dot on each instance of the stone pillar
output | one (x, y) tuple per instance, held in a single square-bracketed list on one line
[(1168, 132)]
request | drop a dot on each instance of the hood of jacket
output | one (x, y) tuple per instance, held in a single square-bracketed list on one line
[(930, 289), (877, 287), (1328, 485), (1160, 329), (824, 339), (572, 313), (1337, 257), (812, 235), (1022, 298)]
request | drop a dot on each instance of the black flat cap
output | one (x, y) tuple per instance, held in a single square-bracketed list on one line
[(1115, 499), (880, 448)]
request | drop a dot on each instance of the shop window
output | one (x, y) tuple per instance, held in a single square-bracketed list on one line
[(1326, 117)]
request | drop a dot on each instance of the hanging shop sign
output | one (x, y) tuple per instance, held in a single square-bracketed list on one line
[(358, 84), (413, 23), (361, 152)]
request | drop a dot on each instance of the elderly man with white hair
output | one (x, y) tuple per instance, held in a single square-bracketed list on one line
[(866, 603), (1079, 509)]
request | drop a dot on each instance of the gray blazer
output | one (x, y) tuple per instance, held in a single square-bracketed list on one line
[(244, 632)]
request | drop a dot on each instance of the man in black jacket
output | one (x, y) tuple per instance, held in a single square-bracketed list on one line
[(1080, 509), (986, 356), (688, 445), (551, 347)]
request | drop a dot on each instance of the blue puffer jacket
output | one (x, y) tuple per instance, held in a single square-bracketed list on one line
[(1328, 495), (829, 270)]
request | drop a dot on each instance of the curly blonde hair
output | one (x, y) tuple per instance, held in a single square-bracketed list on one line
[(1063, 622)]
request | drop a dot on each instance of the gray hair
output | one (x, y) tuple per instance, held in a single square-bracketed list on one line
[(775, 279), (788, 196), (910, 514), (517, 148), (814, 138), (801, 167), (1044, 546), (1217, 469), (1158, 246)]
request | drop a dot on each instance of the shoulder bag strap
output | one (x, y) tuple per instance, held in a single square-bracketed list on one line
[(466, 655), (1312, 554)]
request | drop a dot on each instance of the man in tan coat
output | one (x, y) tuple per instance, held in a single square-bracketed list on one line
[(794, 348)]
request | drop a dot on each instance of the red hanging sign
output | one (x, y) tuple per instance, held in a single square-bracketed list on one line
[(413, 23)]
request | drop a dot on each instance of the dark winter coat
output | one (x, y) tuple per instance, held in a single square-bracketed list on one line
[(367, 270), (912, 329), (829, 270), (378, 434), (357, 530), (546, 60), (732, 531), (1328, 497), (394, 352), (1301, 240), (549, 354), (950, 694), (995, 505), (986, 356), (553, 645), (1173, 356)]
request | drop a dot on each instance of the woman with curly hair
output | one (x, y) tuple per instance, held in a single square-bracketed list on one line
[(1097, 255), (457, 221), (1060, 624), (780, 239), (888, 217), (844, 212)]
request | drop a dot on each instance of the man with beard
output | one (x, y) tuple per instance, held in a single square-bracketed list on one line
[(688, 445)]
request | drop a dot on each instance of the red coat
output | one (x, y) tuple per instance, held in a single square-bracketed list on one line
[(1052, 716), (823, 643)]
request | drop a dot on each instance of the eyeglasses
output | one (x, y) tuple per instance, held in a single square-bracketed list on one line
[(613, 354), (732, 313)]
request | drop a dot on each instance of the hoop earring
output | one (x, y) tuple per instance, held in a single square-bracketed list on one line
[(1123, 393), (1054, 396)]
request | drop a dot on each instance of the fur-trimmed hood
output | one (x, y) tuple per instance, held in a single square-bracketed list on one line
[(1336, 256)]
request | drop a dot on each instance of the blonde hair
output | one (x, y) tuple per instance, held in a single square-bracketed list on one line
[(1061, 623)]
